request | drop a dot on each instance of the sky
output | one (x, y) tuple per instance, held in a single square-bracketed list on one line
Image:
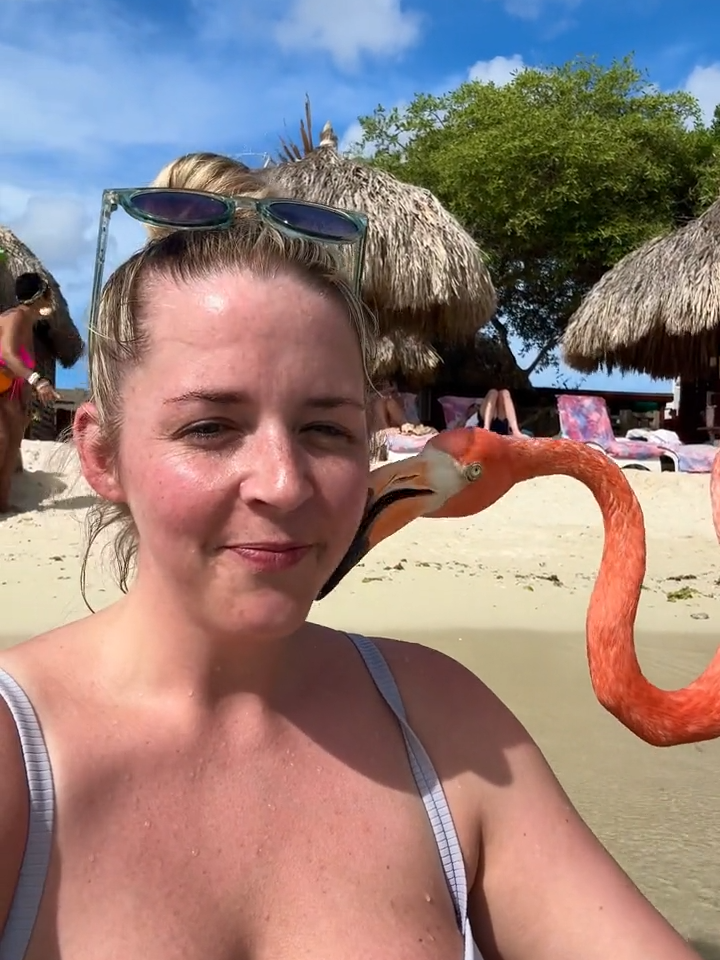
[(103, 93)]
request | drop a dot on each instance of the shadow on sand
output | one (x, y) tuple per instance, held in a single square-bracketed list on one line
[(707, 950), (40, 490)]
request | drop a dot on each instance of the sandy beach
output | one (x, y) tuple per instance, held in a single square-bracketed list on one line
[(506, 593)]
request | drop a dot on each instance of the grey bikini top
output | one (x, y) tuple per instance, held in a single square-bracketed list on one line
[(31, 882)]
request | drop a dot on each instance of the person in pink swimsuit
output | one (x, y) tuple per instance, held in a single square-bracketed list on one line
[(18, 377)]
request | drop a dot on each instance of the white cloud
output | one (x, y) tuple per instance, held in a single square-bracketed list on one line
[(704, 84), (499, 70), (535, 9), (350, 30), (352, 136), (96, 95), (57, 229), (92, 94), (91, 79)]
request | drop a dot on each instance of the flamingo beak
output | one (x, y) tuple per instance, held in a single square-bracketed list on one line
[(399, 493)]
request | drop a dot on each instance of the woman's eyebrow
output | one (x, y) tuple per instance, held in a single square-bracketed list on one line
[(238, 397), (210, 396), (331, 402)]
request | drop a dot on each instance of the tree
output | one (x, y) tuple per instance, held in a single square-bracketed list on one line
[(557, 175)]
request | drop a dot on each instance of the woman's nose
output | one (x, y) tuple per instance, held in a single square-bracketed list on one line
[(276, 472)]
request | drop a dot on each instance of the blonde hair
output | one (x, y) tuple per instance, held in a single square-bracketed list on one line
[(211, 172), (120, 337)]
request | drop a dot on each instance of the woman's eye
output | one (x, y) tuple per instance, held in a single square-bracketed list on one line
[(208, 430), (330, 430)]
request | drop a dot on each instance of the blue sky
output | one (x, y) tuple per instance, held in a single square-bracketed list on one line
[(98, 93)]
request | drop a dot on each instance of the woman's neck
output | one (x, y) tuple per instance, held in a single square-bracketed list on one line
[(152, 646)]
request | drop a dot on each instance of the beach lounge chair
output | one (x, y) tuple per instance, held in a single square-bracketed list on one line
[(586, 419), (456, 410)]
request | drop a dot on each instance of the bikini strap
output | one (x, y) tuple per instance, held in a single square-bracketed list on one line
[(15, 938), (426, 779)]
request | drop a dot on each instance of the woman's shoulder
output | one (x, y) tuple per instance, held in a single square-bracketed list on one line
[(473, 740), (425, 674), (42, 664), (458, 718)]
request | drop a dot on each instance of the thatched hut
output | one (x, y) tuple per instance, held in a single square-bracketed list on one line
[(658, 310), (57, 339), (406, 357), (424, 274)]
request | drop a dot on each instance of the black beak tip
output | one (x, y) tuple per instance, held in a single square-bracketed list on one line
[(357, 550)]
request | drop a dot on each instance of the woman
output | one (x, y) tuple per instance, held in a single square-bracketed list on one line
[(17, 377), (231, 780), (388, 415)]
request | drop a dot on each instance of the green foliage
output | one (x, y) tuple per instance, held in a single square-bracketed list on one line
[(557, 174)]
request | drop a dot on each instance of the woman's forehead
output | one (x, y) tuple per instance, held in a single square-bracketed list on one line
[(241, 302), (244, 324)]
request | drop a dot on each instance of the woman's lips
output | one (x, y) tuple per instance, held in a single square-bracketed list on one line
[(270, 557)]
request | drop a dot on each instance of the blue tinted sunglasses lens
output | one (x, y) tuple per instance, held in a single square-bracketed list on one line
[(314, 221), (180, 208)]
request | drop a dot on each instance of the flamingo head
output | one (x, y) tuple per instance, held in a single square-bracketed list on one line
[(458, 473)]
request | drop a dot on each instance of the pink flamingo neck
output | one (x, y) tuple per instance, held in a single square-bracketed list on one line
[(660, 717)]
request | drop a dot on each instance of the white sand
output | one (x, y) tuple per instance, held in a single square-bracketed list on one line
[(494, 570), (506, 593)]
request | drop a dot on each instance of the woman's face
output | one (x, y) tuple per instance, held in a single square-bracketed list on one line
[(244, 449)]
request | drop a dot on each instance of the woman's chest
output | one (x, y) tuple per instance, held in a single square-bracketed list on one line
[(271, 858)]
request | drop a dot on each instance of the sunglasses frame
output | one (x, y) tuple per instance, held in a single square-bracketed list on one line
[(113, 198)]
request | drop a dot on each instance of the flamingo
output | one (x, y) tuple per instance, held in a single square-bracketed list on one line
[(462, 472)]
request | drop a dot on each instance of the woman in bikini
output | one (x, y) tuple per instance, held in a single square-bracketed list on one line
[(388, 418), (18, 377)]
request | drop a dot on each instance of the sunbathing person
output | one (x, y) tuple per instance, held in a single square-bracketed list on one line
[(497, 412), (390, 417)]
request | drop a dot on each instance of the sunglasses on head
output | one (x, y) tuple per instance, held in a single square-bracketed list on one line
[(199, 210)]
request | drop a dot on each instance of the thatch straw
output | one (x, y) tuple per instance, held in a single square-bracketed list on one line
[(424, 273), (402, 354), (658, 310), (59, 338)]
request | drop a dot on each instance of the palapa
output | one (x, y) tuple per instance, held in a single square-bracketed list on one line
[(424, 273), (407, 355), (658, 310)]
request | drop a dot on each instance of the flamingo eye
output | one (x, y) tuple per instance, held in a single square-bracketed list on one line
[(473, 471)]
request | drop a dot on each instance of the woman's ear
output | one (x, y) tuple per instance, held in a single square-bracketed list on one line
[(97, 461)]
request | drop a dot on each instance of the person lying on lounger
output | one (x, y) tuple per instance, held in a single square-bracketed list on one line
[(497, 412), (390, 416)]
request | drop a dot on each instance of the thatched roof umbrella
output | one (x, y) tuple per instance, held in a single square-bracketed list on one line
[(424, 273), (59, 337), (658, 310), (406, 355)]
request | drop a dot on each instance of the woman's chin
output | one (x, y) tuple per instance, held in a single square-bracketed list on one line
[(261, 613)]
